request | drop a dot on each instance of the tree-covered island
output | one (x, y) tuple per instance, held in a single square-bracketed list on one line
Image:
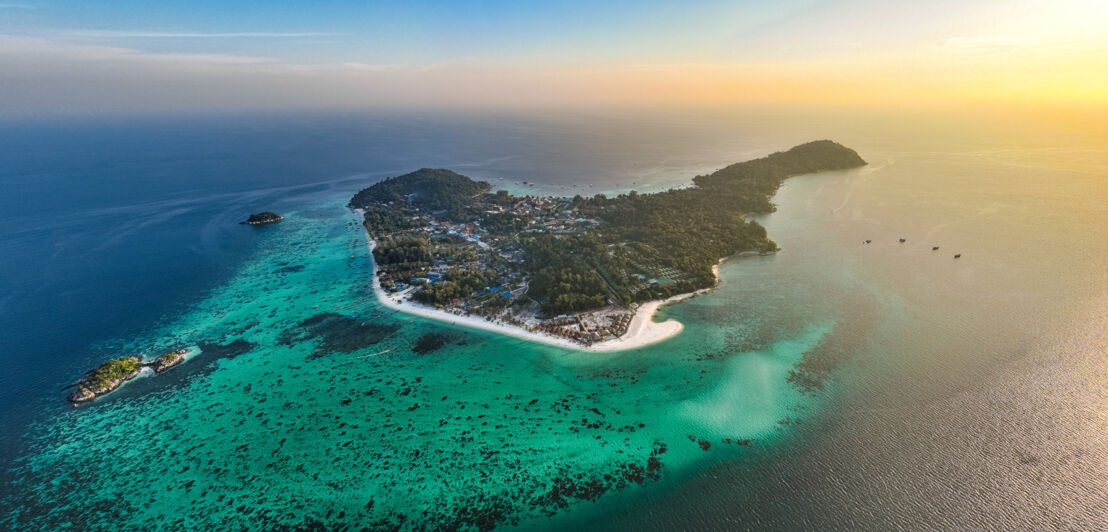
[(263, 218), (105, 378), (571, 267), (113, 373)]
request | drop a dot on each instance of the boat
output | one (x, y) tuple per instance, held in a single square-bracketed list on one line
[(378, 353), (959, 255)]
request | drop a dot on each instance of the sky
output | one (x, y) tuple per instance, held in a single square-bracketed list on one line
[(60, 56)]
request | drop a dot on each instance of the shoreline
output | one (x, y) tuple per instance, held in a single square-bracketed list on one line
[(642, 331)]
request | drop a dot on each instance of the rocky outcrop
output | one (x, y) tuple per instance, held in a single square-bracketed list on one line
[(263, 218), (168, 360), (109, 376), (113, 373)]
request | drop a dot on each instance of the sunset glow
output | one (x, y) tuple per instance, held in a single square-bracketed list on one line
[(903, 54)]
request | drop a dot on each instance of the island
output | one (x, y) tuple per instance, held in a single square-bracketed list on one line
[(106, 378), (168, 360), (582, 272), (263, 218), (112, 374)]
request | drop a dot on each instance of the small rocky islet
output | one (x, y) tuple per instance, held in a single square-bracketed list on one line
[(113, 373), (168, 360), (263, 218)]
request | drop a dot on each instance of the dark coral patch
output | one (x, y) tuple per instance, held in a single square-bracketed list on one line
[(337, 333), (431, 342), (291, 269), (567, 487)]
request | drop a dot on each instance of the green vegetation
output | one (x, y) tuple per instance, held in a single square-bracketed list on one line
[(112, 370), (562, 277), (262, 218), (167, 361), (428, 189), (458, 284), (756, 181), (388, 220), (504, 224), (402, 253)]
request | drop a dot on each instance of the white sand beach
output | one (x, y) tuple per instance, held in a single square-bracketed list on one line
[(642, 331)]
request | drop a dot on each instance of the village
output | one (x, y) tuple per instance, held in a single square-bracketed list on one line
[(474, 271)]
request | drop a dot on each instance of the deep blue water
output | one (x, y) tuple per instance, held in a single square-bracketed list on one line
[(109, 226)]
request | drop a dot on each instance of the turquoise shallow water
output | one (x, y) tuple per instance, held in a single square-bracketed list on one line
[(282, 419), (881, 386)]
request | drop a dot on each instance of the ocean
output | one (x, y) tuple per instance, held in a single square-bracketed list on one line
[(834, 385)]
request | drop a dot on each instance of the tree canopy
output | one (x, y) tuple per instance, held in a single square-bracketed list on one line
[(427, 188)]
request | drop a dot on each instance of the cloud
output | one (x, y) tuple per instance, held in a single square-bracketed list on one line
[(114, 34), (983, 46), (36, 49), (58, 75), (368, 67)]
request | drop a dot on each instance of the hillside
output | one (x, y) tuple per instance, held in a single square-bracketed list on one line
[(429, 189)]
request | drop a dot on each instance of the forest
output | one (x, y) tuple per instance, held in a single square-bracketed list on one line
[(402, 253), (428, 188), (688, 229)]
